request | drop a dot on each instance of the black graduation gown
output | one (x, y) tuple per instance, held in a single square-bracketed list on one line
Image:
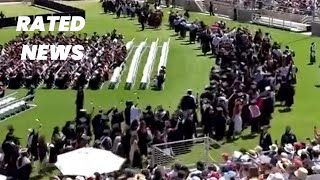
[(24, 168), (289, 100), (127, 115), (79, 101), (220, 127), (288, 138), (205, 44), (143, 142), (193, 35), (34, 145), (265, 141), (119, 10), (187, 102), (188, 129), (207, 120)]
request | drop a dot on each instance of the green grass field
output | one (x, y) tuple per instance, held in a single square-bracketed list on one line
[(11, 10), (185, 69)]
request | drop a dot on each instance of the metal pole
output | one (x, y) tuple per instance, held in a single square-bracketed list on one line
[(152, 156), (206, 146)]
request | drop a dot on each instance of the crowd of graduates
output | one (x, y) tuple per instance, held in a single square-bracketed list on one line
[(102, 54), (132, 9)]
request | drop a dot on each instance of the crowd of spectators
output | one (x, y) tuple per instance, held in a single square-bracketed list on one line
[(304, 7), (101, 55), (251, 74)]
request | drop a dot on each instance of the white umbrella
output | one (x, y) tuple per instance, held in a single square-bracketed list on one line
[(86, 161), (2, 177)]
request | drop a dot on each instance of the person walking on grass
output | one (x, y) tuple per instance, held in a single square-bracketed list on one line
[(312, 53), (211, 9)]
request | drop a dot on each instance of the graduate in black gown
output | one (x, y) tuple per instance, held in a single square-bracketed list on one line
[(220, 122), (193, 33), (205, 42), (289, 97), (119, 10), (265, 139), (24, 165), (79, 100)]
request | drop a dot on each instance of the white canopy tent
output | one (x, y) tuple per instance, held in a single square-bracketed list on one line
[(86, 161)]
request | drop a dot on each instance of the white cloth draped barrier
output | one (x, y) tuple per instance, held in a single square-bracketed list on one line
[(135, 63), (164, 55), (149, 64), (117, 71)]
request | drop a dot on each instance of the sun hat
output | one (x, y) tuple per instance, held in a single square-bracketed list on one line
[(245, 158), (316, 148), (284, 163), (316, 169), (79, 178), (273, 148), (301, 173), (289, 148), (302, 151), (252, 153), (276, 176), (258, 149), (236, 155)]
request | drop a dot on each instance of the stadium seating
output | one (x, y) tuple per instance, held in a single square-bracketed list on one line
[(135, 64), (116, 76), (149, 65)]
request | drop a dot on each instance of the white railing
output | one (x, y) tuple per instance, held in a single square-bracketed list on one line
[(115, 79), (135, 63), (164, 55), (150, 61)]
